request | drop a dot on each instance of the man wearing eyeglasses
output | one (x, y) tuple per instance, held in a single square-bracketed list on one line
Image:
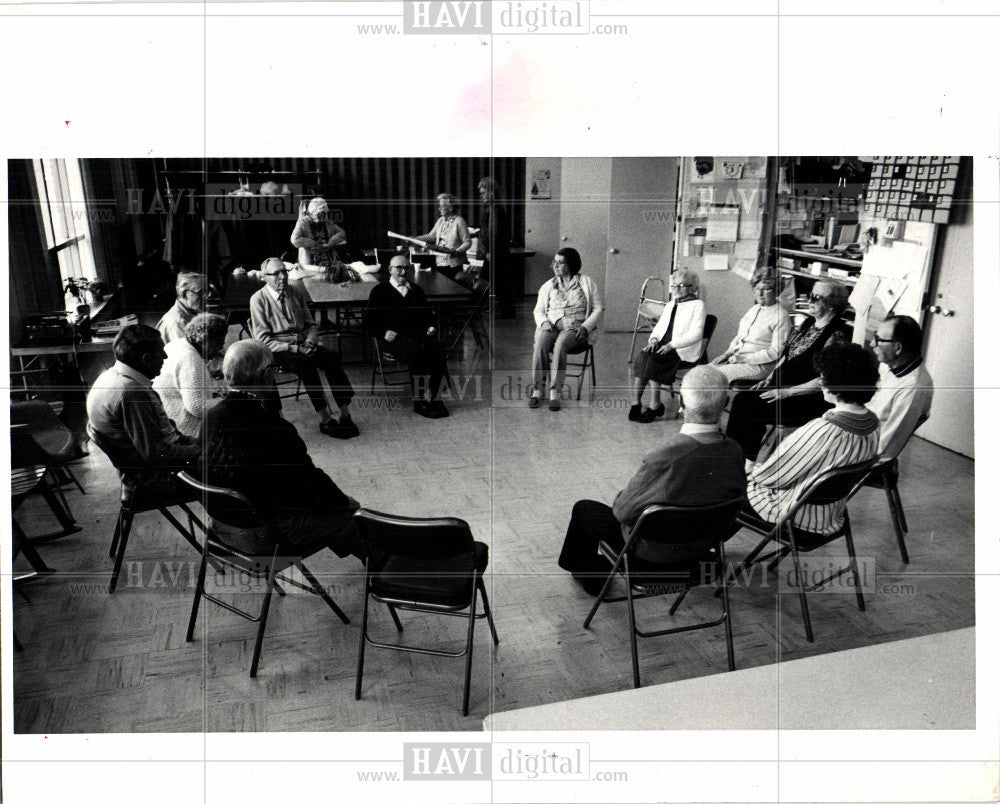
[(905, 388), (192, 293), (281, 320)]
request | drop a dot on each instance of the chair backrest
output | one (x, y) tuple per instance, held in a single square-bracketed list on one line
[(711, 322), (672, 533), (235, 519), (421, 260), (410, 537), (832, 486)]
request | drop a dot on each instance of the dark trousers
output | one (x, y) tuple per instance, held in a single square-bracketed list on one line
[(502, 278), (591, 523), (425, 360), (749, 416), (306, 368)]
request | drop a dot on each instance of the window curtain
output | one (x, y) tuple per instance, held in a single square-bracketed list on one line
[(34, 281)]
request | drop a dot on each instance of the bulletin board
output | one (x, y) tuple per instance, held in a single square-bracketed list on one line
[(895, 274)]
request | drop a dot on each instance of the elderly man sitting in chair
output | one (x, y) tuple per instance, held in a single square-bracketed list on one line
[(282, 321), (253, 450), (128, 422), (399, 317), (697, 466)]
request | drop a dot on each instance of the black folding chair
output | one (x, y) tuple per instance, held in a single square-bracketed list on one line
[(138, 499), (587, 362), (393, 373), (885, 475), (51, 440), (238, 537), (711, 322), (670, 550), (30, 475), (426, 565), (827, 488)]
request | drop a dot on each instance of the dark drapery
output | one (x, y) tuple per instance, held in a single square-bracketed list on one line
[(34, 281)]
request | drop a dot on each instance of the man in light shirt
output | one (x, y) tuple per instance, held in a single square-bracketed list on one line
[(905, 388), (281, 320), (192, 292)]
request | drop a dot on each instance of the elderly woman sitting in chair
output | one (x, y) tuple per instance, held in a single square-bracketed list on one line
[(676, 338)]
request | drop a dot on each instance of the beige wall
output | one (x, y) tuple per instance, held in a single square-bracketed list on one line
[(541, 223)]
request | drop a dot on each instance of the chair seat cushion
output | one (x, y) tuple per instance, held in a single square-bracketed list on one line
[(441, 581)]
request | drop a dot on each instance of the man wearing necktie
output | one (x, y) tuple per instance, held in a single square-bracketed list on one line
[(281, 320)]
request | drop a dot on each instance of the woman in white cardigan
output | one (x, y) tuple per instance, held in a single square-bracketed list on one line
[(676, 338), (186, 383), (760, 337), (568, 319)]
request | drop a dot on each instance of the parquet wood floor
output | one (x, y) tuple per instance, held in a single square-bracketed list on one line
[(99, 663)]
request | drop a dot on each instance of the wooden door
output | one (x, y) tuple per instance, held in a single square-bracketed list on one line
[(640, 232), (583, 219)]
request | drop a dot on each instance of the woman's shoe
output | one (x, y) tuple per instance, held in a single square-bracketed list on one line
[(635, 413), (534, 402), (554, 404), (651, 414)]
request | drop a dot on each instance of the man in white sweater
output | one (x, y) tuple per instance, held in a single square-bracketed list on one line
[(905, 388)]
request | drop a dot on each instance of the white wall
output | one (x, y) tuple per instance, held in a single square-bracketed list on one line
[(541, 224)]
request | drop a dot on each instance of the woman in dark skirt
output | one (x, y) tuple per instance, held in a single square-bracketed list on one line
[(791, 395), (676, 338)]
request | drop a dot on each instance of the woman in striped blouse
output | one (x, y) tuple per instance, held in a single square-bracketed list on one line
[(845, 435)]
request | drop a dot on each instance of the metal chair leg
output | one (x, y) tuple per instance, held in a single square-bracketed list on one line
[(898, 522), (800, 582), (730, 652), (126, 527), (468, 653), (322, 592), (486, 608), (199, 590), (676, 604), (114, 539), (395, 618), (899, 508), (265, 606), (364, 638), (631, 627), (848, 538)]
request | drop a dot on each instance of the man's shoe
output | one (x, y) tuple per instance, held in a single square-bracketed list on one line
[(335, 429), (436, 409), (420, 407), (635, 413), (554, 404), (347, 423), (651, 414)]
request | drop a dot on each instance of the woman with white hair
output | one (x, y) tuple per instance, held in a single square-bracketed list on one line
[(675, 338), (760, 337), (450, 237), (190, 374), (253, 450), (316, 237)]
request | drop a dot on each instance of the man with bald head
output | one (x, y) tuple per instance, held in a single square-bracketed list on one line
[(192, 292), (696, 466), (281, 319), (399, 316)]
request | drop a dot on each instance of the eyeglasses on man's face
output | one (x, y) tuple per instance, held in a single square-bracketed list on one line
[(816, 297), (876, 340), (281, 272)]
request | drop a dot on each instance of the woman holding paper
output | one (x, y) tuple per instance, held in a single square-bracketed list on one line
[(449, 238)]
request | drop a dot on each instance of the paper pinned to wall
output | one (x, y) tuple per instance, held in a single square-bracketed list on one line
[(889, 292), (716, 262), (723, 224), (744, 268)]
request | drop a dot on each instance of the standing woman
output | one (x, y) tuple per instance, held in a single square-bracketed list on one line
[(568, 317), (494, 234), (676, 337), (760, 337), (450, 235)]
